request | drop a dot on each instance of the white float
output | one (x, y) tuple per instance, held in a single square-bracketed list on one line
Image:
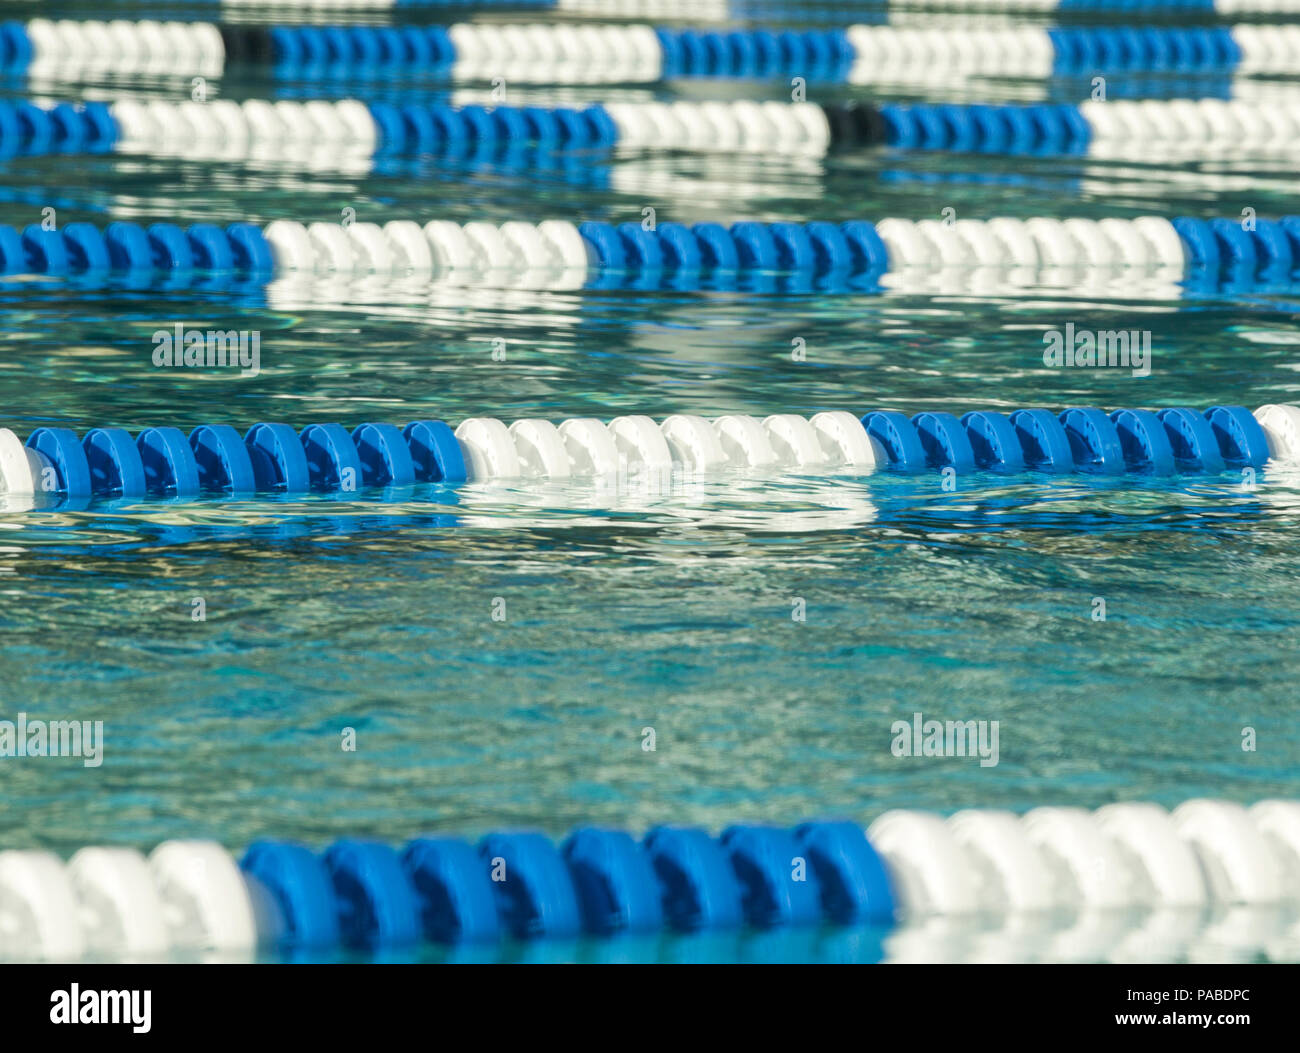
[(1281, 425), (998, 843), (20, 466), (121, 911), (640, 444), (1239, 865), (590, 447), (488, 449), (794, 440), (540, 449), (38, 910), (1279, 822), (206, 904), (745, 442), (929, 869), (845, 441), (1147, 835), (693, 444), (1080, 854)]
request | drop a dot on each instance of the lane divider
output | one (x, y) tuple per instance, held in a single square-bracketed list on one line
[(629, 53), (292, 130), (1192, 126), (367, 895), (276, 458), (258, 128), (734, 10), (1211, 255)]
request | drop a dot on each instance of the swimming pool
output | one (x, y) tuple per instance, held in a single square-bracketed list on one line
[(503, 652)]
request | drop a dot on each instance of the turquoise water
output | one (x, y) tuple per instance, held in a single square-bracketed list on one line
[(634, 610)]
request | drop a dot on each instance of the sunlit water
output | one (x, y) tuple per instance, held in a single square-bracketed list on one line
[(621, 609)]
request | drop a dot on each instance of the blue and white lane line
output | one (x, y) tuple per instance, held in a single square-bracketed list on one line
[(277, 458), (358, 131), (194, 897), (583, 53), (1183, 256), (733, 10)]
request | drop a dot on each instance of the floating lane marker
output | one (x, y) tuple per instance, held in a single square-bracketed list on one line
[(276, 458), (587, 53), (283, 897), (1183, 256)]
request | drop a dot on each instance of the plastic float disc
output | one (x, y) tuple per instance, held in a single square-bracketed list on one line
[(1144, 441), (373, 254), (87, 250), (794, 440), (535, 894), (60, 447), (1078, 851), (385, 456), (115, 463), (454, 888), (170, 247), (279, 462), (565, 238), (590, 447), (845, 441), (377, 905), (945, 441), (1094, 441), (1281, 426), (745, 442), (528, 245), (615, 882), (128, 246), (38, 909), (1147, 836), (1238, 863), (1043, 442), (168, 461), (997, 842), (291, 246), (211, 247), (779, 886), (16, 470), (333, 248), (928, 869), (410, 247), (693, 444), (540, 449), (223, 459), (1242, 441), (332, 459), (897, 435), (488, 449), (1279, 822), (994, 441), (701, 891), (640, 442), (1192, 439), (854, 884), (120, 910), (434, 452), (205, 899), (300, 886), (450, 248)]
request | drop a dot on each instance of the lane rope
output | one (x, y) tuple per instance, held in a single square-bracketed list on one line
[(113, 902)]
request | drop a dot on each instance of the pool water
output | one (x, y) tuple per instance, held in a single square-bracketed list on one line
[(500, 652)]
